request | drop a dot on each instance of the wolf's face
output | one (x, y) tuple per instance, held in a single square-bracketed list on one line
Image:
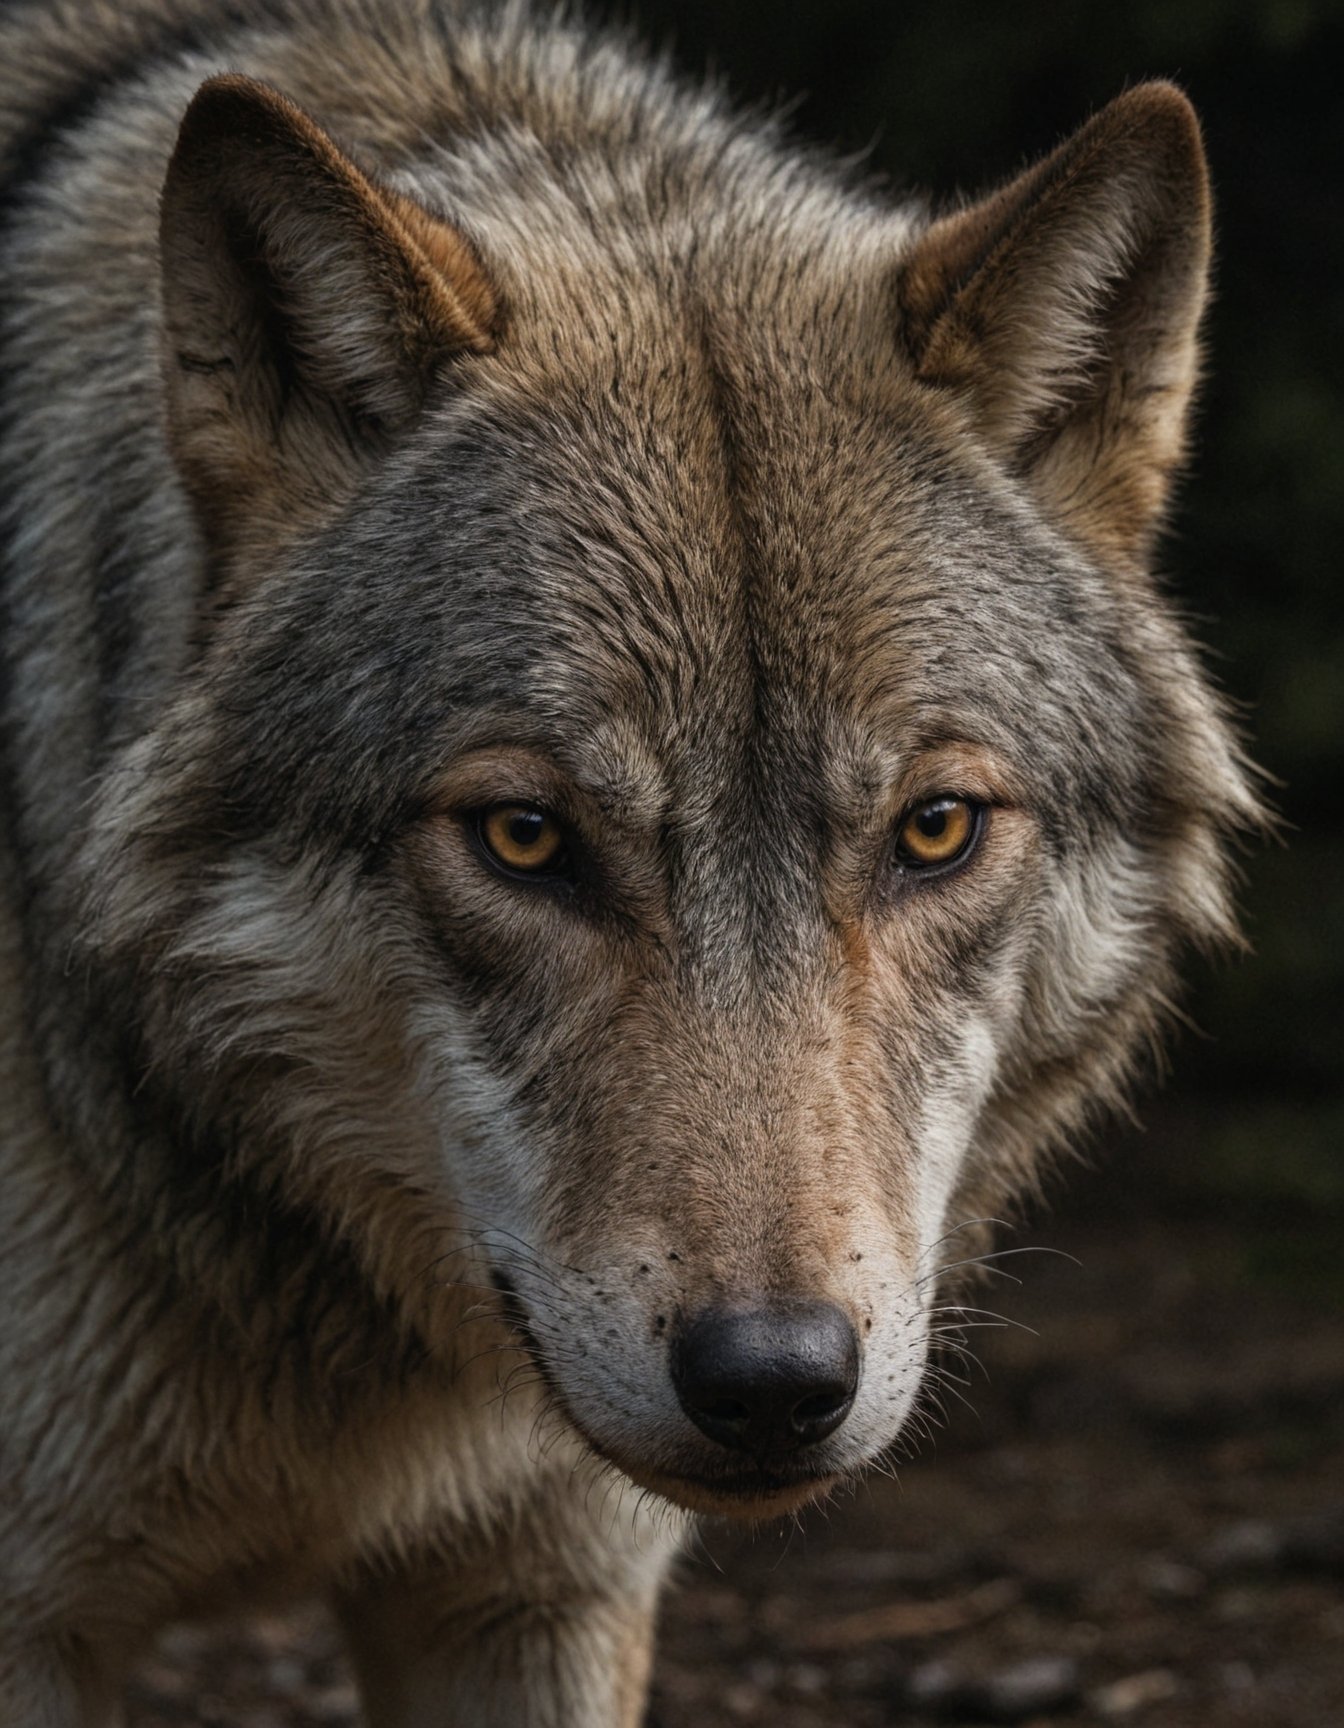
[(679, 834)]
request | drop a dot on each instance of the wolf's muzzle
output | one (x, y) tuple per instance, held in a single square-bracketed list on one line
[(767, 1379)]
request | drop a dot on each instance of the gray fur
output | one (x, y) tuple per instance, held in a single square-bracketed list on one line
[(722, 535)]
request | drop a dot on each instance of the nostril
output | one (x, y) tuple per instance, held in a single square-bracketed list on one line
[(821, 1407), (767, 1378), (727, 1410)]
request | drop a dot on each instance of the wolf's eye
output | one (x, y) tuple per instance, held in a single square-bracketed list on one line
[(521, 837), (939, 831)]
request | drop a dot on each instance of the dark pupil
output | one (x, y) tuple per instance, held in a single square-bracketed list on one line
[(932, 820), (525, 828)]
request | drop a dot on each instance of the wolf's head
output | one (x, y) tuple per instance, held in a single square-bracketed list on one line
[(690, 784)]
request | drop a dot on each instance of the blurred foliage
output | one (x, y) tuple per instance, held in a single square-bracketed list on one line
[(947, 95)]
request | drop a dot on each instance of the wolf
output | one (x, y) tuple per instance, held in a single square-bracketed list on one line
[(595, 770)]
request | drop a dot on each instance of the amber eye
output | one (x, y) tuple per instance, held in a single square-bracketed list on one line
[(521, 837), (939, 831)]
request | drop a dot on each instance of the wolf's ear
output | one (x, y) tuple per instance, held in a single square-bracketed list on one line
[(305, 310), (1065, 310)]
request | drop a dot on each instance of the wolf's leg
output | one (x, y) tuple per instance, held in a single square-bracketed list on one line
[(552, 1665), (446, 1649)]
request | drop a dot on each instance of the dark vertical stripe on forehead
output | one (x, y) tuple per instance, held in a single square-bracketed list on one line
[(767, 845)]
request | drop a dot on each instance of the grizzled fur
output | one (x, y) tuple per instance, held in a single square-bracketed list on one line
[(414, 408)]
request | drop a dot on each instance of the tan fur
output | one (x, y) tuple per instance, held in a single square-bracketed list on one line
[(1107, 242), (254, 183), (413, 410)]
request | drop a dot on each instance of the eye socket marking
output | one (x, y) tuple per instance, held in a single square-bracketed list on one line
[(938, 833), (521, 838)]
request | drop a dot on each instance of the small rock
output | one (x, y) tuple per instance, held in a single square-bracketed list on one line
[(806, 1679), (1236, 1677), (1039, 1687), (286, 1673), (1254, 1545), (933, 1685), (1171, 1581), (1031, 1688), (1312, 1542), (1134, 1692), (742, 1700)]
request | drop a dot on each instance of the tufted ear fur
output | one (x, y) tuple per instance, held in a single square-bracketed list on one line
[(305, 312), (1065, 308)]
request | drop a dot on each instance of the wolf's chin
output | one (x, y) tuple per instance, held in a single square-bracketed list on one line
[(748, 1498), (745, 1496)]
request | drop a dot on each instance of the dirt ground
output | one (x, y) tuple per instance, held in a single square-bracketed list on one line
[(1141, 1520)]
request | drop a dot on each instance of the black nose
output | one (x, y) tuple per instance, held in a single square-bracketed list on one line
[(767, 1378)]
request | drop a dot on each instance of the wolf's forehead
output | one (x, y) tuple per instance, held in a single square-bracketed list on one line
[(694, 547), (845, 586)]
